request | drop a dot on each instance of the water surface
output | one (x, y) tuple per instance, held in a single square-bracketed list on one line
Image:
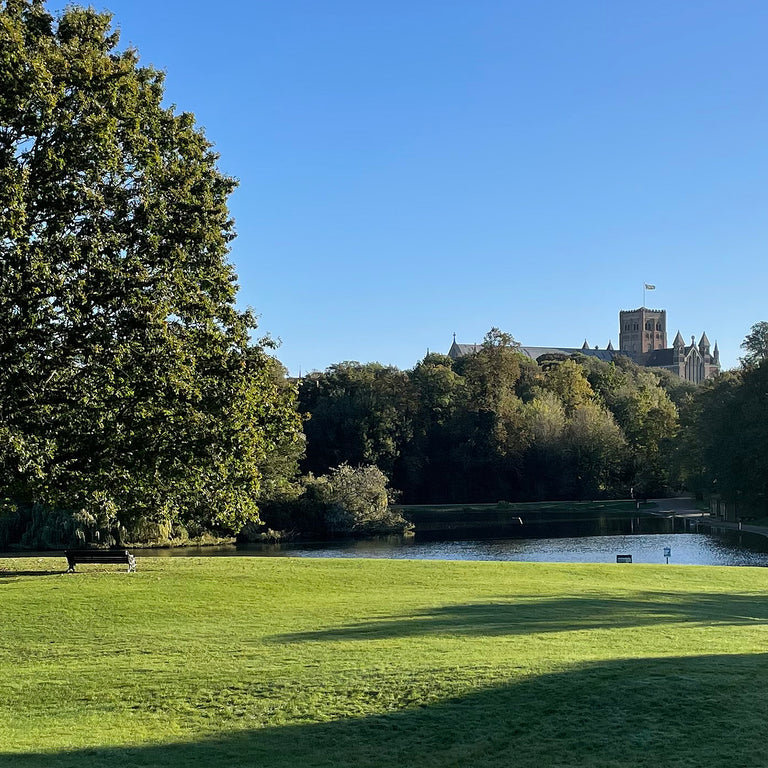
[(644, 539)]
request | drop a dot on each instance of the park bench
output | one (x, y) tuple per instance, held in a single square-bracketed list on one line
[(75, 556)]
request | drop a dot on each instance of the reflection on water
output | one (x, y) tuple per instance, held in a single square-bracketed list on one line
[(645, 539)]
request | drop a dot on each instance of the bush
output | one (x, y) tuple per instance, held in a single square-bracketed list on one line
[(346, 502), (32, 526)]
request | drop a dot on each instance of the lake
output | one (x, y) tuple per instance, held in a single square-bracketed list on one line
[(585, 542)]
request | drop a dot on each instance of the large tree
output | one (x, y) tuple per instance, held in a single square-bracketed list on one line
[(756, 345), (129, 384), (359, 414)]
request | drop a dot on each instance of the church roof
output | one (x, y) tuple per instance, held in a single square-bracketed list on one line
[(704, 340), (660, 357), (535, 352), (459, 350), (678, 342)]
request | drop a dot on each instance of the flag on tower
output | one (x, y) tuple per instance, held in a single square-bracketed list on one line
[(649, 287)]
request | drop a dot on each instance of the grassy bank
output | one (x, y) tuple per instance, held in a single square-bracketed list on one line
[(519, 507), (504, 516), (289, 662)]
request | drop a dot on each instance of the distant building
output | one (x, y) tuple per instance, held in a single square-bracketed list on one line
[(642, 331), (642, 338)]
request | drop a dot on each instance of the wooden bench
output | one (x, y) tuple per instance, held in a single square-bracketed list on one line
[(75, 556)]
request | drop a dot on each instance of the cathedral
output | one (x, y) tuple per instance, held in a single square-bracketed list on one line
[(642, 338)]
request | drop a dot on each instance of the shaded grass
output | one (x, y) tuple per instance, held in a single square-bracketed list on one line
[(281, 662)]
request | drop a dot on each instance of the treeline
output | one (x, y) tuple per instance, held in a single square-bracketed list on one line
[(723, 445), (496, 425)]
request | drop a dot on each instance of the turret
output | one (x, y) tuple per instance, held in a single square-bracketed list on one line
[(610, 346), (716, 354), (704, 344), (585, 345), (678, 348)]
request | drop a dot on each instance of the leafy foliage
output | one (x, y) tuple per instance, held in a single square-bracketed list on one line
[(356, 501), (358, 415), (496, 425), (129, 387), (348, 501), (756, 345), (724, 449)]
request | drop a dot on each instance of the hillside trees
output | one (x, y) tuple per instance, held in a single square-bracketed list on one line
[(359, 415), (639, 401), (495, 425), (756, 345), (129, 386), (724, 449)]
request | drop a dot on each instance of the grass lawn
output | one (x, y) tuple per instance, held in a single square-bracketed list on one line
[(300, 662)]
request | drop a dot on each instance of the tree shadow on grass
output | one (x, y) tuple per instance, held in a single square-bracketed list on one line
[(692, 711), (16, 574), (525, 616)]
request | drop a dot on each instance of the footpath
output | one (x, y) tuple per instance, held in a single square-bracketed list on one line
[(679, 506)]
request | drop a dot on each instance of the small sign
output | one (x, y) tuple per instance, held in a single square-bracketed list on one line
[(623, 558), (667, 551)]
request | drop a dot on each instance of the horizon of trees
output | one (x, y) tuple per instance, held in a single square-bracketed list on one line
[(723, 447), (496, 425)]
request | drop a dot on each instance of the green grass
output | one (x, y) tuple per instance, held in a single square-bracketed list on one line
[(300, 662)]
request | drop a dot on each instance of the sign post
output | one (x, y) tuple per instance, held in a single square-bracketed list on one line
[(667, 553)]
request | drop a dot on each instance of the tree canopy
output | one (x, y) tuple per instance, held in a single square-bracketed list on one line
[(724, 445), (495, 425), (129, 384), (756, 345)]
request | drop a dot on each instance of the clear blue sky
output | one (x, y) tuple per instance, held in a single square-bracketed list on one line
[(413, 168)]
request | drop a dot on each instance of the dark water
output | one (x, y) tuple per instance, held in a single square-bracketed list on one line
[(588, 542)]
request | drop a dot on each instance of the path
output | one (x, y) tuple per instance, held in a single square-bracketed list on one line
[(686, 507)]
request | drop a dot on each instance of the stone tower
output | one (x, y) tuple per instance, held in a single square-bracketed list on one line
[(642, 330)]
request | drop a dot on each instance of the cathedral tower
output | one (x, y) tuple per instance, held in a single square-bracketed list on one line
[(642, 330)]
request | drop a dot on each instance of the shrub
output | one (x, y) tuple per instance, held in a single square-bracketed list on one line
[(349, 501)]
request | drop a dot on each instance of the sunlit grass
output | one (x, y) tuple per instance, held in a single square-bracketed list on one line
[(301, 662)]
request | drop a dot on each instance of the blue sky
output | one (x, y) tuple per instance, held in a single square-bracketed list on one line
[(411, 169)]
